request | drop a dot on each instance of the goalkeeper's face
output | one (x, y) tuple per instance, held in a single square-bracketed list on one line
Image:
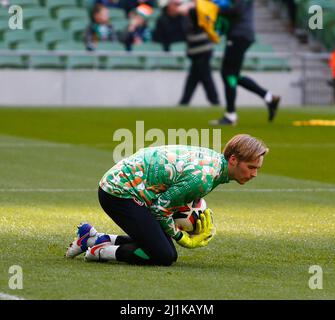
[(244, 171)]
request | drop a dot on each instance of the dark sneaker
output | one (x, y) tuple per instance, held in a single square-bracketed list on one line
[(222, 122), (273, 107)]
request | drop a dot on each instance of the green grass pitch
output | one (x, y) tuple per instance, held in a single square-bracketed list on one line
[(269, 232)]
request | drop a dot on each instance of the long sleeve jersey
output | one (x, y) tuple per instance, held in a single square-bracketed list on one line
[(166, 178)]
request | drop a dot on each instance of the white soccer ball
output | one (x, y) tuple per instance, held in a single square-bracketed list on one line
[(187, 216)]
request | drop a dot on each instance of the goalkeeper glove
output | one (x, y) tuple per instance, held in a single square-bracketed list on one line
[(205, 230)]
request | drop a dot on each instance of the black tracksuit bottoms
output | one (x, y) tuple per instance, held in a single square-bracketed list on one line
[(200, 72), (146, 242)]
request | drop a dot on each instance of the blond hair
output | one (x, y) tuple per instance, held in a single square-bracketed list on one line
[(245, 148)]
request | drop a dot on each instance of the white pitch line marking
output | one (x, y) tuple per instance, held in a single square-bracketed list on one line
[(5, 296)]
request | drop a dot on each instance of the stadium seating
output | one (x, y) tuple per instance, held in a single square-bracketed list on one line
[(77, 28), (111, 46), (31, 13), (54, 5), (9, 61), (27, 3), (3, 27), (126, 61), (13, 37), (59, 25), (88, 4), (51, 37), (65, 15), (325, 35), (32, 45), (116, 14), (36, 61)]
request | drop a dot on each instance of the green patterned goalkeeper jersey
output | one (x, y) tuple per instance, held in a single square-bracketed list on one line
[(166, 178)]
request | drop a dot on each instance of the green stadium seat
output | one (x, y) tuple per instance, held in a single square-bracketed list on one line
[(54, 5), (261, 47), (151, 62), (44, 24), (31, 45), (274, 64), (77, 28), (117, 14), (82, 62), (12, 37), (3, 25), (148, 46), (27, 3), (11, 61), (29, 14), (74, 61), (86, 3), (110, 46), (169, 62), (41, 25), (178, 47), (77, 62), (126, 61), (67, 14), (119, 24), (3, 46), (70, 45), (51, 37), (53, 62), (4, 15)]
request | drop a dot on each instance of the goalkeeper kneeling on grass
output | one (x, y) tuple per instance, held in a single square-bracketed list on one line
[(141, 193)]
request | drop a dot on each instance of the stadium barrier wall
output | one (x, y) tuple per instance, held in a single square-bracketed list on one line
[(127, 88)]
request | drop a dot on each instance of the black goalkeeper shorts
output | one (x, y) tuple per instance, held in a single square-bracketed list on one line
[(136, 220)]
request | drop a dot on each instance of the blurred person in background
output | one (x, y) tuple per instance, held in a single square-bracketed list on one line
[(100, 28), (170, 26), (199, 50), (137, 30), (332, 69), (240, 35)]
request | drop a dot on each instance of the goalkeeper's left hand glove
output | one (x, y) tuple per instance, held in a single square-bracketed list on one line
[(206, 230)]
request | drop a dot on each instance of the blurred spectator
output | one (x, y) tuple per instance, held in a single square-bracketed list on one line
[(240, 36), (137, 30), (171, 25), (5, 3), (332, 69), (199, 50), (100, 28)]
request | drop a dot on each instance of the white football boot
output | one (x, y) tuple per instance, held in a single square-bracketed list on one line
[(103, 250), (86, 237)]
